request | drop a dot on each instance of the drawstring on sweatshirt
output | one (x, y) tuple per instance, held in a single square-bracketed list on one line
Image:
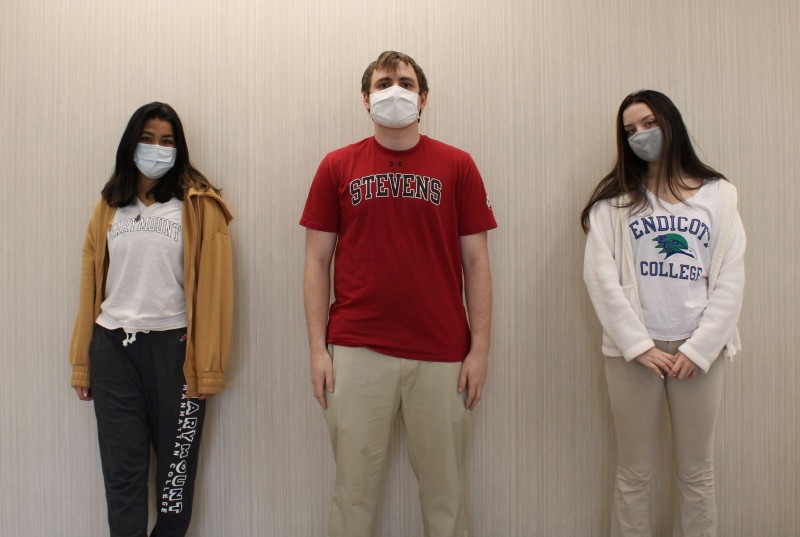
[(130, 337)]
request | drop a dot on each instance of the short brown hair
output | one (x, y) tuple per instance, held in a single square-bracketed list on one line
[(388, 60)]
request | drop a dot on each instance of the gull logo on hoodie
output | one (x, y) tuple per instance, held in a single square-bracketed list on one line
[(671, 244)]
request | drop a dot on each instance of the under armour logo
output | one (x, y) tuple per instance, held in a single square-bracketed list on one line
[(392, 163)]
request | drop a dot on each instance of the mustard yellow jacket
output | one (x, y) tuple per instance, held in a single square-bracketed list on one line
[(207, 282)]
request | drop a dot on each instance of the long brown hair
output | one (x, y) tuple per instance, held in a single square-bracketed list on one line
[(678, 159), (121, 186)]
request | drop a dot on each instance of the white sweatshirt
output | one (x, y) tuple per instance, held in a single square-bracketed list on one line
[(609, 273)]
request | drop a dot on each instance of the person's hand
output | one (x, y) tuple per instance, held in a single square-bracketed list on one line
[(684, 368), (85, 394), (321, 375), (658, 361), (473, 374)]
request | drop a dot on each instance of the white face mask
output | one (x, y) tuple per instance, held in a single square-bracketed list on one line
[(154, 160), (647, 144), (394, 107)]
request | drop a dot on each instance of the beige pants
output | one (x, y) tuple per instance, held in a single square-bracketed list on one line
[(370, 390), (636, 397)]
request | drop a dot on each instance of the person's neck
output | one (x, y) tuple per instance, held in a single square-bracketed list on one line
[(684, 184), (397, 139), (651, 180), (143, 187)]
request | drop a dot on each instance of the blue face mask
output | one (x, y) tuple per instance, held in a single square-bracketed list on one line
[(154, 160), (647, 144)]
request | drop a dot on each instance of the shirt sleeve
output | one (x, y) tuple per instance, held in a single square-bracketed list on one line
[(474, 209), (84, 321), (611, 301), (722, 310), (213, 306), (322, 205)]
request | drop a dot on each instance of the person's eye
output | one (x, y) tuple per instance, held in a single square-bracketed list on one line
[(651, 124), (145, 139), (166, 142), (630, 133)]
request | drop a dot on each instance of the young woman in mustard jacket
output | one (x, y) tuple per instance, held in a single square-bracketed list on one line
[(152, 335)]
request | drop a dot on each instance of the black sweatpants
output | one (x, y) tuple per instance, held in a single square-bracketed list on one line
[(140, 398)]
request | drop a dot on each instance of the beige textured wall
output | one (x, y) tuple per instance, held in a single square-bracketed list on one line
[(265, 89)]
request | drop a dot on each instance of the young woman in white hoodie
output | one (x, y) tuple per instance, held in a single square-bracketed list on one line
[(664, 267)]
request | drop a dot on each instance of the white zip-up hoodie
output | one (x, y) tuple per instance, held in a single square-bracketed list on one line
[(609, 273)]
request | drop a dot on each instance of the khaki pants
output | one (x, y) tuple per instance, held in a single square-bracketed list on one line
[(636, 396), (370, 390)]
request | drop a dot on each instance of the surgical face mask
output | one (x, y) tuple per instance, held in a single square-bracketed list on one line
[(154, 160), (394, 107), (647, 144)]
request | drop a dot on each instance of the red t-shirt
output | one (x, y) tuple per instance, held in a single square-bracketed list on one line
[(397, 267)]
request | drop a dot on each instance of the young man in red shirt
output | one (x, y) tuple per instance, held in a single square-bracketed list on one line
[(407, 217)]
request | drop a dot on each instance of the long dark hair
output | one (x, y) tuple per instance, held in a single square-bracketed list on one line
[(121, 186), (678, 159)]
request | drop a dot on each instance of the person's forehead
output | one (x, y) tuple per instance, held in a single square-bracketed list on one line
[(636, 111), (399, 70), (157, 124)]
